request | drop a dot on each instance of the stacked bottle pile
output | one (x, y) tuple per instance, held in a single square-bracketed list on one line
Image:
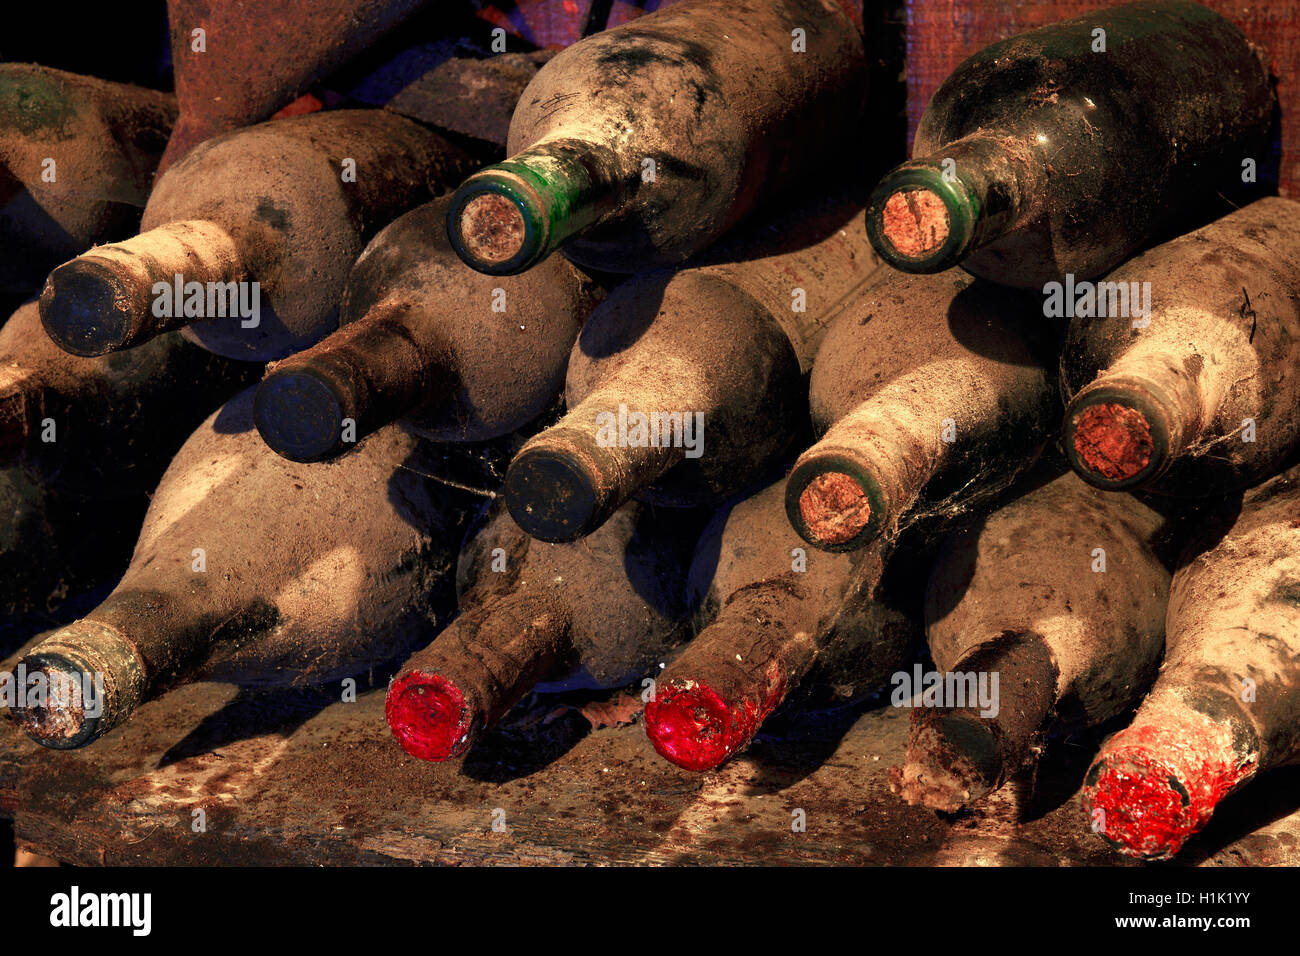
[(1027, 409)]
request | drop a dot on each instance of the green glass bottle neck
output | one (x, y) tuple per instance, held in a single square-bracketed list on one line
[(508, 217), (929, 214)]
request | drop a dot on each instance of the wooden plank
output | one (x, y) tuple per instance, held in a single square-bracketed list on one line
[(283, 779), (943, 33)]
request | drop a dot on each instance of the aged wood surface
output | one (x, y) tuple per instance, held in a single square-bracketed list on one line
[(943, 33), (283, 779)]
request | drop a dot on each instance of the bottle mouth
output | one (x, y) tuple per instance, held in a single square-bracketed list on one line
[(300, 415), (1140, 804), (921, 219), (1156, 784), (953, 760), (87, 309), (60, 719), (428, 715), (555, 495), (833, 502), (1118, 436), (692, 726), (495, 222)]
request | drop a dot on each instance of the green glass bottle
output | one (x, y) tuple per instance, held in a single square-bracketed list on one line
[(1067, 149)]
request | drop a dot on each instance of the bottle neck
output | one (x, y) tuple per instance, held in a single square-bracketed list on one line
[(928, 214), (447, 695), (508, 217), (1131, 423), (319, 403), (122, 294), (992, 705), (854, 485), (1158, 781), (568, 480), (711, 701)]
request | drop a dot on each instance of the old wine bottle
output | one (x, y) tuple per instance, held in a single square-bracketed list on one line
[(1066, 149), (783, 626), (1226, 705), (253, 233), (104, 427), (640, 145), (1062, 595), (934, 392), (255, 570), (601, 612), (458, 355), (77, 158), (1199, 393), (683, 386)]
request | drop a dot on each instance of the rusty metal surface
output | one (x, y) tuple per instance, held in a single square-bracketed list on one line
[(259, 55)]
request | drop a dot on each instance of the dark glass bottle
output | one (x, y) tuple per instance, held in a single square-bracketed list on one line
[(1066, 149), (933, 392), (599, 613), (77, 159), (256, 570), (1062, 595), (1226, 705)]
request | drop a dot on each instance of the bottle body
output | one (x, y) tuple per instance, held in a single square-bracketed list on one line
[(262, 226), (921, 419), (683, 386), (457, 355), (1195, 393), (77, 158), (1226, 705), (1061, 595), (639, 146), (533, 614), (228, 582), (778, 625), (1064, 151)]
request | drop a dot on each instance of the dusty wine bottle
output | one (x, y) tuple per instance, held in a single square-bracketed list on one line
[(683, 386), (1199, 392), (247, 242), (258, 571), (639, 146), (458, 355), (922, 418), (1066, 149), (104, 427), (1061, 595), (77, 158), (1226, 705), (599, 613), (782, 626)]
